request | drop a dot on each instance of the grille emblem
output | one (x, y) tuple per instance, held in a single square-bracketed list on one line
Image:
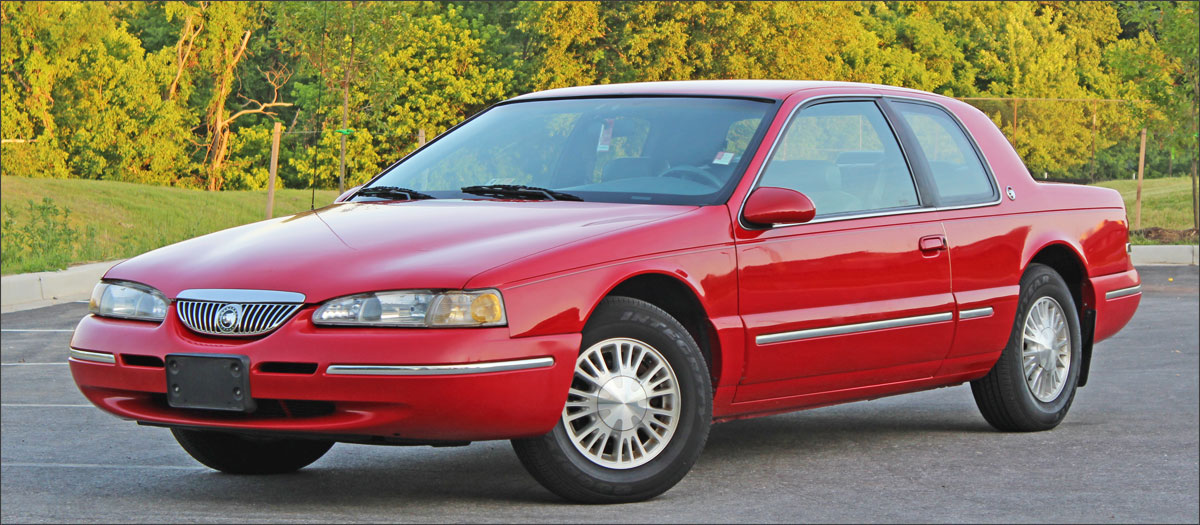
[(228, 318), (236, 312)]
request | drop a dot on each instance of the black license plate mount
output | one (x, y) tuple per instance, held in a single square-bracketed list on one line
[(209, 381)]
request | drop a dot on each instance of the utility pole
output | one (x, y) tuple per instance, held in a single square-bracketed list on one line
[(346, 105), (1137, 217), (275, 134)]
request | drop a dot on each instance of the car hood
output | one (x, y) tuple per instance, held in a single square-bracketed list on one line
[(349, 248)]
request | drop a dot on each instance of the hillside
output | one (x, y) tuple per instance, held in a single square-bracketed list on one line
[(114, 220)]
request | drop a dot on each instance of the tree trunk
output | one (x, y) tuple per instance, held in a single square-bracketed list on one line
[(1195, 152), (218, 123), (183, 49)]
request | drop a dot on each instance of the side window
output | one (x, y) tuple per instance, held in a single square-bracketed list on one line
[(958, 174), (843, 156)]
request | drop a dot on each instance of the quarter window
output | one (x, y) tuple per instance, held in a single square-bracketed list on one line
[(844, 157), (958, 174)]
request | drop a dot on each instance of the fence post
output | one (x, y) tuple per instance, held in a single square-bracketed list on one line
[(1195, 199), (1137, 217), (1092, 166), (275, 134), (1014, 125), (421, 138)]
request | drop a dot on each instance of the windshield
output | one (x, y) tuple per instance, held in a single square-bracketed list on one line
[(672, 150)]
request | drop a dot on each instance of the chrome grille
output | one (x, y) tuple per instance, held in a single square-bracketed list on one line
[(233, 319)]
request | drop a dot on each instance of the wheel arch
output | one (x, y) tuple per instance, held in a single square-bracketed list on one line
[(1067, 261), (681, 300)]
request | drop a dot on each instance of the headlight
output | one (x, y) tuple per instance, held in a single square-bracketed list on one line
[(128, 300), (414, 308)]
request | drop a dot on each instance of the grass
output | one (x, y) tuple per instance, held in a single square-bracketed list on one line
[(1165, 202), (115, 220)]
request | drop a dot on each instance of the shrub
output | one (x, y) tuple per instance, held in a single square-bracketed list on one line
[(41, 240)]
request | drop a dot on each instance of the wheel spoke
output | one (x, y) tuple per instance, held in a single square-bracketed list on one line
[(586, 369), (638, 364), (1046, 352), (651, 386), (612, 367)]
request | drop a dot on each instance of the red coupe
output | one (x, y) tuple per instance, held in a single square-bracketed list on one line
[(600, 273)]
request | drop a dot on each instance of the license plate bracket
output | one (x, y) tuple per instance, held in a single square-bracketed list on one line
[(209, 381)]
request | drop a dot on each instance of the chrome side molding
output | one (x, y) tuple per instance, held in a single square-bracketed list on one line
[(974, 313), (95, 357), (440, 370), (233, 295), (1123, 292), (853, 328)]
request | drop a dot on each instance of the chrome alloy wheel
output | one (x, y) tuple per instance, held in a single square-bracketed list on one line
[(623, 405), (1046, 357)]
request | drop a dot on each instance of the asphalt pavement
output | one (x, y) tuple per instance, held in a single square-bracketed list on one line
[(1127, 452)]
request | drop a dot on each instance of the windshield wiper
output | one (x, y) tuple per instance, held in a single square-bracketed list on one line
[(393, 191), (519, 192)]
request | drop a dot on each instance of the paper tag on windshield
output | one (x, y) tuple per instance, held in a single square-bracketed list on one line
[(723, 158), (605, 135)]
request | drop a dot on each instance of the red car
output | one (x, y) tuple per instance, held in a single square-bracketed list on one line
[(600, 273)]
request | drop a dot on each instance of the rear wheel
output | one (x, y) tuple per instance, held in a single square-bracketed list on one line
[(1032, 385), (235, 454), (637, 413)]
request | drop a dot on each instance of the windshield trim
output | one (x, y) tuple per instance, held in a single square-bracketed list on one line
[(721, 197)]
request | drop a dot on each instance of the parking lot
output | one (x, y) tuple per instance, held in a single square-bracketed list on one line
[(1127, 452)]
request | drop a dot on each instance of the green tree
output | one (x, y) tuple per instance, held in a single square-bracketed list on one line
[(82, 88), (1162, 65)]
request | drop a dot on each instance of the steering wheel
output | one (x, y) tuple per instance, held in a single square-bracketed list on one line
[(693, 174)]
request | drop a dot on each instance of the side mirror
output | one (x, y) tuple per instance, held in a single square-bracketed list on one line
[(347, 195), (769, 205)]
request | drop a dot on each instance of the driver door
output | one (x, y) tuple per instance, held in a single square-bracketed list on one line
[(860, 295)]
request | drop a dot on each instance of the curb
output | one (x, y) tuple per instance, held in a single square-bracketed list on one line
[(1165, 254), (26, 291)]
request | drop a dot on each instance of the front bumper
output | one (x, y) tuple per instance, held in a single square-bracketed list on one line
[(396, 384)]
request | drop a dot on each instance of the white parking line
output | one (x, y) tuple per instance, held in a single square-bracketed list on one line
[(43, 405), (98, 465), (35, 330), (33, 364)]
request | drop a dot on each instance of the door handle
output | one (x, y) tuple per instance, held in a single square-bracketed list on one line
[(932, 243)]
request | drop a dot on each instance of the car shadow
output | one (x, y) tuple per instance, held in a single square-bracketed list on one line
[(400, 478), (828, 429)]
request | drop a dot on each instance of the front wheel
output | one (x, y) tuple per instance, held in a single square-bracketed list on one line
[(637, 413), (1033, 383), (235, 454)]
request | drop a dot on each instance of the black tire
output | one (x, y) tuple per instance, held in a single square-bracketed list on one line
[(1003, 395), (235, 454), (554, 461)]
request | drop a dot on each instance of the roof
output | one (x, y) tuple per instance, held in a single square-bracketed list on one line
[(771, 89)]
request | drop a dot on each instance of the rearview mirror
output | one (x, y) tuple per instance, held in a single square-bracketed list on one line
[(771, 206)]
